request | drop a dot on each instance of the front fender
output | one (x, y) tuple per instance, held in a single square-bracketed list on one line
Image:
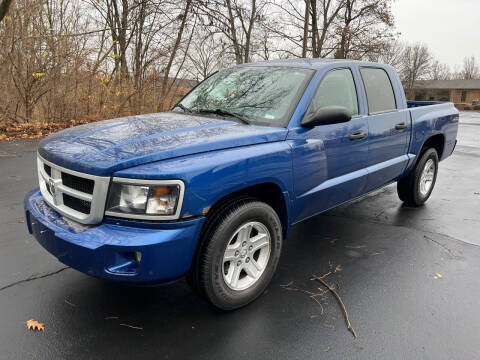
[(211, 176)]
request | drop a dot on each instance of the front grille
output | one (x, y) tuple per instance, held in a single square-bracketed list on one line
[(78, 183), (79, 205), (76, 195)]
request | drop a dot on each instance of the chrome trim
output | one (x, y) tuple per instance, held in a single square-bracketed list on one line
[(175, 216), (97, 199)]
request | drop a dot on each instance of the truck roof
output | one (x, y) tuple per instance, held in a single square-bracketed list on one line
[(309, 63)]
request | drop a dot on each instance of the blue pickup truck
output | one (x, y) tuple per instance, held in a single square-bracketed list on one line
[(210, 189)]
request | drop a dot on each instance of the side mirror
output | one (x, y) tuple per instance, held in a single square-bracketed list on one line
[(327, 115)]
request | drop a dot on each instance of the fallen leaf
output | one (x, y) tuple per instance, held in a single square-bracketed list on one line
[(35, 325)]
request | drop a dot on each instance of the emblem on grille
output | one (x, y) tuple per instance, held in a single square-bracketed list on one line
[(54, 191), (52, 186)]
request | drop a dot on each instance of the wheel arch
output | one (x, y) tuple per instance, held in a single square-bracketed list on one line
[(269, 192), (436, 141)]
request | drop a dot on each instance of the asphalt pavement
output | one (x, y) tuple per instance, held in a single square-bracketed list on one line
[(409, 279)]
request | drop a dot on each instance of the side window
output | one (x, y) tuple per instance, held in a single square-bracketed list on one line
[(337, 88), (379, 90)]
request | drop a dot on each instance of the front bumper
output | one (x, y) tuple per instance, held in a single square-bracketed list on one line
[(146, 253)]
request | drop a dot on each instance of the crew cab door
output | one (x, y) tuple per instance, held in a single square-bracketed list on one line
[(329, 161), (389, 128)]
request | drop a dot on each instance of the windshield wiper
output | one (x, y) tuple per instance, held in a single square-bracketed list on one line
[(183, 107), (225, 113)]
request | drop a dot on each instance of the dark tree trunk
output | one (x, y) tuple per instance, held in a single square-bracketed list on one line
[(305, 29), (4, 5)]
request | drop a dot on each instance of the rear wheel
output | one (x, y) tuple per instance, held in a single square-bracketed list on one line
[(417, 186), (239, 254)]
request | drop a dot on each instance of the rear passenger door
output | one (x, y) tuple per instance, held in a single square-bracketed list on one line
[(389, 129)]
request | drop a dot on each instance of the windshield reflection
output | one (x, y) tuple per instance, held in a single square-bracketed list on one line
[(264, 95)]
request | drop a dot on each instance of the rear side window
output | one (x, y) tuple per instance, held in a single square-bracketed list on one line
[(379, 90), (337, 88)]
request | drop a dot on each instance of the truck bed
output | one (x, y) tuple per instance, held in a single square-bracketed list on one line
[(430, 118), (414, 104)]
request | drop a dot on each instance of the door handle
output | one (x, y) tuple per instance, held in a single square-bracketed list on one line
[(401, 126), (357, 135)]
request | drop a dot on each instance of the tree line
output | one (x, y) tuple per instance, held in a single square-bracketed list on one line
[(84, 60)]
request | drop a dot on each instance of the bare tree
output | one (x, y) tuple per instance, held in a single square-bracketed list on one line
[(237, 20), (416, 64), (391, 53), (310, 29), (63, 60), (41, 59), (327, 11), (439, 71), (470, 69), (364, 27), (69, 60), (165, 88), (207, 55)]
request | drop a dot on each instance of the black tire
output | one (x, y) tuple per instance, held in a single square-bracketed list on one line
[(208, 274), (215, 213), (408, 188)]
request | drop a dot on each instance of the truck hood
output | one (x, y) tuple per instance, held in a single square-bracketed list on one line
[(104, 147)]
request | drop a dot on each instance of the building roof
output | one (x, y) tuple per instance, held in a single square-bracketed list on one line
[(448, 84)]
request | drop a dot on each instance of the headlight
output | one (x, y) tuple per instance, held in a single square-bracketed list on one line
[(145, 199)]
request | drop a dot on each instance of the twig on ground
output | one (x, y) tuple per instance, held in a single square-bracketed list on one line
[(69, 303), (132, 327), (312, 295), (334, 292), (326, 274)]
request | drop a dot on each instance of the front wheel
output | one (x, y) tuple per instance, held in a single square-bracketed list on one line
[(417, 186), (240, 254)]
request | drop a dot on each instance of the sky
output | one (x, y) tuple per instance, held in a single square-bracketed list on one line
[(450, 28)]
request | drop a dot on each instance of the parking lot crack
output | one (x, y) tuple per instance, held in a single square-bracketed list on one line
[(444, 247), (32, 278)]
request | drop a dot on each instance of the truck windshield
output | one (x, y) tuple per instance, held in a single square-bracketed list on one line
[(260, 95)]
